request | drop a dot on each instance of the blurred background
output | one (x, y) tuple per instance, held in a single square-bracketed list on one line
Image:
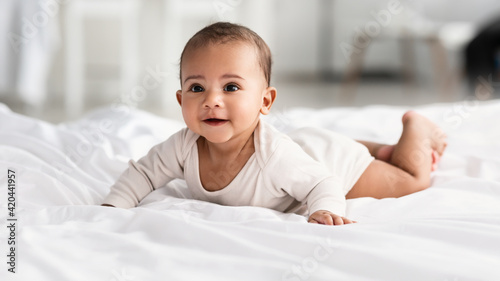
[(62, 58)]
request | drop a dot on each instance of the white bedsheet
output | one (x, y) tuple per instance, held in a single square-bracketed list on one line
[(450, 231)]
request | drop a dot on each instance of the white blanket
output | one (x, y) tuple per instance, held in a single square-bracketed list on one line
[(450, 231)]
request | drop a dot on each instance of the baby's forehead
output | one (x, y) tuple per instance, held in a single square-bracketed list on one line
[(205, 50), (236, 44)]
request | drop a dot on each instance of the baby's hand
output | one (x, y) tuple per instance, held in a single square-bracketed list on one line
[(325, 217)]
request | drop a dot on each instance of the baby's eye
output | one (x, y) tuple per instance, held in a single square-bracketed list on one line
[(231, 88), (197, 88)]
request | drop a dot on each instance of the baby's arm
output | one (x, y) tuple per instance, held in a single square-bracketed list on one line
[(161, 165), (140, 179), (327, 204), (310, 182), (325, 200)]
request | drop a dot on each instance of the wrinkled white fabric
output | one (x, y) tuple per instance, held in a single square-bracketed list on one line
[(447, 232)]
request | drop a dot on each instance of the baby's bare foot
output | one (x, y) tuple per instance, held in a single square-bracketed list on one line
[(435, 137), (414, 121)]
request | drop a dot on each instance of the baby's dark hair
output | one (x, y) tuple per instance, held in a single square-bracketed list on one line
[(225, 32)]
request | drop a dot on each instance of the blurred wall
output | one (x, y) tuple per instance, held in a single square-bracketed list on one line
[(300, 33)]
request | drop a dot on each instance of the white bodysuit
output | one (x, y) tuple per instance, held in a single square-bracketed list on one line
[(280, 175)]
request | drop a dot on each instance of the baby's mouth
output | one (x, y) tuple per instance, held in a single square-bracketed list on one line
[(215, 121)]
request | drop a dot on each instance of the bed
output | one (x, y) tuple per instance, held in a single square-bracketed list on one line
[(450, 231)]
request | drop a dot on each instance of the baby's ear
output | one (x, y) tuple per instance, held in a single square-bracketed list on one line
[(178, 94), (268, 99)]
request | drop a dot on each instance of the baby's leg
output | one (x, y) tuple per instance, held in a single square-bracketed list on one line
[(380, 151), (409, 162), (384, 152)]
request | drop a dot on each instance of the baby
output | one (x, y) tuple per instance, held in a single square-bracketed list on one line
[(227, 155)]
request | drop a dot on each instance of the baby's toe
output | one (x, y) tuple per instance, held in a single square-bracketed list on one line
[(436, 157), (441, 147), (439, 137)]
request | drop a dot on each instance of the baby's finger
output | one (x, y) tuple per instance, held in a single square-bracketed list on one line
[(326, 219), (338, 220), (348, 221), (312, 221)]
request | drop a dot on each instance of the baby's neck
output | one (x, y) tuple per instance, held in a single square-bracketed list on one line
[(215, 152), (219, 160)]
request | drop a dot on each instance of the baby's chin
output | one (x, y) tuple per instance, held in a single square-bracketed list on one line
[(216, 138), (222, 134)]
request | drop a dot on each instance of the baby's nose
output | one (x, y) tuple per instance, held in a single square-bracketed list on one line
[(213, 99)]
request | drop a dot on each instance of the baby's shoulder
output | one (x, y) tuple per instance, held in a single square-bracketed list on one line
[(271, 143), (181, 142)]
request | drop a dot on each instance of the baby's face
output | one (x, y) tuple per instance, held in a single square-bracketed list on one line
[(223, 91)]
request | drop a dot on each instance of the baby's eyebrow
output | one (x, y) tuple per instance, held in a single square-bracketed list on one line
[(229, 75), (193, 77)]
